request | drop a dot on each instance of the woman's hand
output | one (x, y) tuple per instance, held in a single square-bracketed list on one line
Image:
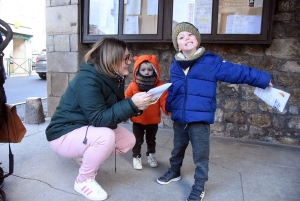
[(141, 100)]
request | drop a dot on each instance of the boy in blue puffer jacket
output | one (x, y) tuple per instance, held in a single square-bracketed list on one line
[(191, 100)]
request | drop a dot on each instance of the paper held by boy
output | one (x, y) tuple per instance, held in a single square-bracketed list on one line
[(276, 98), (157, 92)]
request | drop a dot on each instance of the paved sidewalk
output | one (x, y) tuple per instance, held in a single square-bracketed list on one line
[(239, 171)]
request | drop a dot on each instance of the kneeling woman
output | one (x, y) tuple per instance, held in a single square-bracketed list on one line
[(85, 123)]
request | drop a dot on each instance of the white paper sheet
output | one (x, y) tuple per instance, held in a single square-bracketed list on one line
[(133, 7), (158, 91), (243, 24), (274, 97), (131, 25), (203, 16), (152, 7)]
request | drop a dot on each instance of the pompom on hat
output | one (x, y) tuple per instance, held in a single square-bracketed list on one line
[(185, 26)]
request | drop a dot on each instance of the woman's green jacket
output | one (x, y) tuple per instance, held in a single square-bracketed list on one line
[(90, 99)]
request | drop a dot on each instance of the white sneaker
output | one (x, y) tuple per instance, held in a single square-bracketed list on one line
[(78, 161), (90, 189), (152, 160), (137, 163)]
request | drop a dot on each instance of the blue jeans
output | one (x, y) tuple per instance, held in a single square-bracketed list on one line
[(198, 134)]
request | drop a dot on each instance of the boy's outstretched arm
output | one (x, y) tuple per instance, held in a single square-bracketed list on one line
[(241, 74)]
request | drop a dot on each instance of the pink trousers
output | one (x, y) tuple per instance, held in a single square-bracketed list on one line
[(101, 143)]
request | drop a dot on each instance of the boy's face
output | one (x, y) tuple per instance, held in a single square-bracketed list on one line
[(187, 43), (146, 69)]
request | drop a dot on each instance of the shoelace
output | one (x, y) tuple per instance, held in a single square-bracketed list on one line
[(168, 173), (152, 159)]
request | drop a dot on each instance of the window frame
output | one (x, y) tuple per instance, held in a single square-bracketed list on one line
[(164, 29)]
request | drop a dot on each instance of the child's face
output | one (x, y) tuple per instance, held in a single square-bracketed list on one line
[(146, 69), (187, 43)]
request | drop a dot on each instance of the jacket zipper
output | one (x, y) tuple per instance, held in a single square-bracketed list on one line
[(185, 95)]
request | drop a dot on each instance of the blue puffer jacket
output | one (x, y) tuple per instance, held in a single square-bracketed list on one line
[(192, 97)]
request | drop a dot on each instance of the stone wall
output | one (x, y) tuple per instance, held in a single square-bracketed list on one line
[(240, 114)]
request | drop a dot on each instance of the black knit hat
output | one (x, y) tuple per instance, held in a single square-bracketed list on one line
[(185, 26)]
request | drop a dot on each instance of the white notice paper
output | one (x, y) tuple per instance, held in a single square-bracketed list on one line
[(157, 92), (243, 24), (274, 97), (131, 25), (152, 7), (133, 7), (203, 16)]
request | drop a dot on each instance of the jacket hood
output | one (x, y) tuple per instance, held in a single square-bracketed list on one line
[(140, 59)]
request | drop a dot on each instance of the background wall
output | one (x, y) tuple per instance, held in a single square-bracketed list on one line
[(240, 113)]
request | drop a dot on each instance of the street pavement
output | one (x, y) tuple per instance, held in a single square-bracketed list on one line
[(240, 170)]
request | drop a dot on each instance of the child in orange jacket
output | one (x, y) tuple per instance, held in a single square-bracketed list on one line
[(146, 76)]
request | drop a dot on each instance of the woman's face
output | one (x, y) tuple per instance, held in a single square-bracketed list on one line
[(123, 70)]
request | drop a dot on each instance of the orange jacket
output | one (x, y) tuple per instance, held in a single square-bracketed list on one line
[(152, 114)]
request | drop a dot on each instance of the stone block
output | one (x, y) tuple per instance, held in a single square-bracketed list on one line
[(248, 106), (62, 43), (285, 48), (52, 103), (284, 17), (253, 50), (74, 42), (234, 117), (49, 81), (50, 43), (288, 79), (60, 2), (62, 20), (74, 1), (62, 62), (260, 120), (59, 83), (34, 112), (71, 76), (291, 66)]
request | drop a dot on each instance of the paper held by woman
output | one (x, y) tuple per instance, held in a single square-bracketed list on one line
[(157, 92)]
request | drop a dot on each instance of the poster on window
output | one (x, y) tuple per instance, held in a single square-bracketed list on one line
[(203, 16)]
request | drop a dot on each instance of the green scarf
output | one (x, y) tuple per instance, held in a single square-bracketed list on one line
[(187, 62)]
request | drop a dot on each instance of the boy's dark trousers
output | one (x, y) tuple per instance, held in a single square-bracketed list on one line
[(198, 134), (139, 131)]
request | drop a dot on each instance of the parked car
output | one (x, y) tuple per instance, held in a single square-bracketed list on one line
[(41, 64), (33, 60)]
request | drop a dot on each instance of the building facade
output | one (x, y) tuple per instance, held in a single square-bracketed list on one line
[(240, 114)]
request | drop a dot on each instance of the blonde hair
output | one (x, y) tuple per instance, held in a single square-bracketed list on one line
[(106, 55)]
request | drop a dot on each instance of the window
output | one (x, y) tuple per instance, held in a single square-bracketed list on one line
[(103, 17), (219, 21)]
